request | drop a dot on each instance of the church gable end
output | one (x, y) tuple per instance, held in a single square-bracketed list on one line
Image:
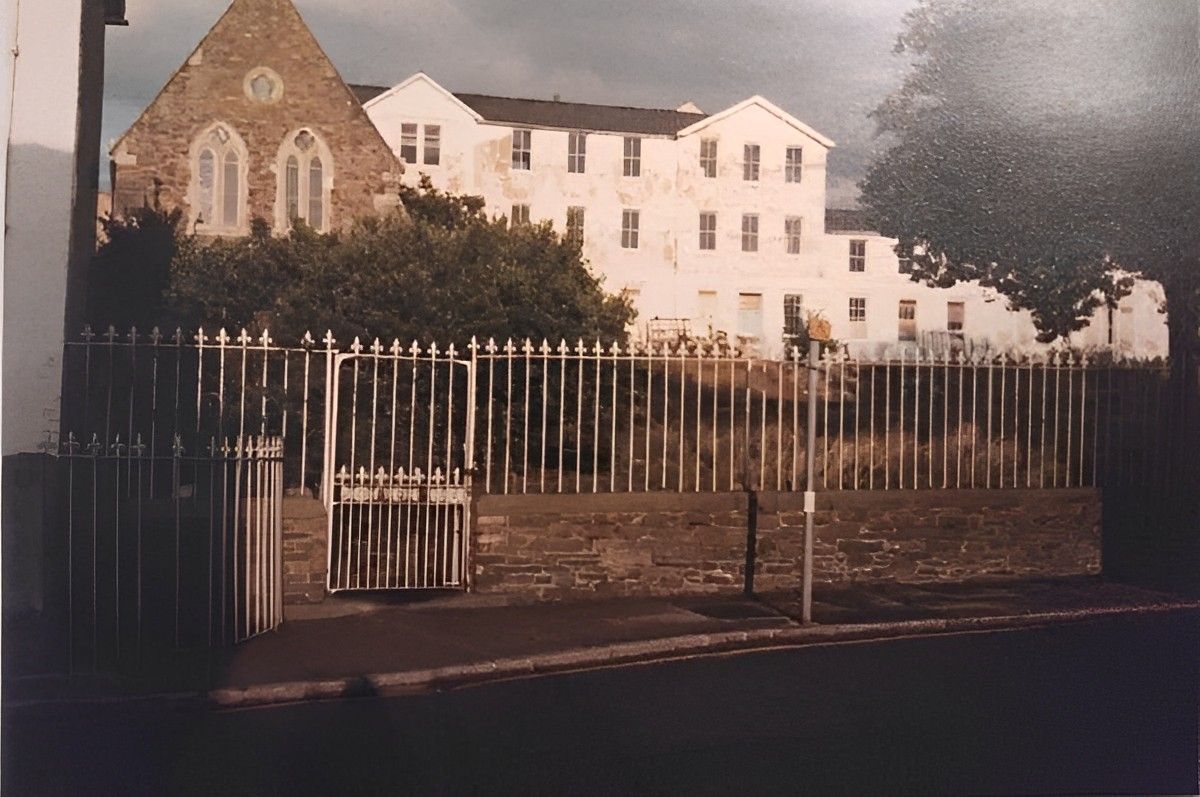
[(256, 123)]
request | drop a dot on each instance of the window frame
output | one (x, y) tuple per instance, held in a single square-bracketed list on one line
[(858, 259), (750, 232), (631, 228), (631, 158), (708, 159), (793, 311), (575, 231), (856, 317), (905, 321), (956, 326), (222, 142), (522, 149), (793, 169), (793, 233), (436, 138), (316, 171), (708, 232), (408, 140), (519, 214), (751, 163), (577, 152), (315, 162)]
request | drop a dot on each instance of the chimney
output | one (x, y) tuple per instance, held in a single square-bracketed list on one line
[(557, 98)]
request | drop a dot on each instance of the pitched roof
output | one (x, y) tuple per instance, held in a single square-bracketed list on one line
[(262, 9), (567, 115), (848, 220), (766, 105), (364, 92)]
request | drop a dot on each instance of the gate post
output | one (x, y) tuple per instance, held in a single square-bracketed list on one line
[(810, 496), (329, 440), (469, 465)]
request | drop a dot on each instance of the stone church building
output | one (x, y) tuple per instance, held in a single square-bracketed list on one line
[(256, 123)]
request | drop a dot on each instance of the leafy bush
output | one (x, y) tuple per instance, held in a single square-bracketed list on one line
[(128, 277), (440, 271)]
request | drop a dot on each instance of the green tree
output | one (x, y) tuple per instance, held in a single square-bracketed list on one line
[(1048, 150), (439, 271)]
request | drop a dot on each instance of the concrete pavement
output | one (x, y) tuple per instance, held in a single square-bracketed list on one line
[(1104, 706), (391, 644)]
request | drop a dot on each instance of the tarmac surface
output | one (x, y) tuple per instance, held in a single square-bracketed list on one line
[(1103, 705), (399, 643)]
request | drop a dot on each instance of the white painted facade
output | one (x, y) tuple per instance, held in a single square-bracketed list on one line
[(51, 121), (1135, 329), (669, 274), (50, 135)]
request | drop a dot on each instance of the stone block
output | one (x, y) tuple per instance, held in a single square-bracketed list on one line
[(951, 520), (859, 547), (791, 519), (559, 544)]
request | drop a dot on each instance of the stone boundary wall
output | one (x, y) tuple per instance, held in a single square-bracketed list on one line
[(570, 546), (305, 528)]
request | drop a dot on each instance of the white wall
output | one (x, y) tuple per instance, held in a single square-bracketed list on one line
[(8, 37), (987, 313), (669, 270), (41, 185), (50, 213)]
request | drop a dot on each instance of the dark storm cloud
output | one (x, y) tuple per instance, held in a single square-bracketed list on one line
[(826, 61)]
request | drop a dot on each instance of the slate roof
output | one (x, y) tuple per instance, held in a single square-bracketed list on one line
[(848, 220), (365, 93), (567, 115)]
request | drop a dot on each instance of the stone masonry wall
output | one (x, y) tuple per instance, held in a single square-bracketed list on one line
[(304, 550), (152, 158), (568, 546)]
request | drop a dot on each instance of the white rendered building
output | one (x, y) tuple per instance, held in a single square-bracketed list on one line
[(717, 221)]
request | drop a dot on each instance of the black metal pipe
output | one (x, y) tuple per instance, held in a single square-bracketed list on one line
[(751, 540)]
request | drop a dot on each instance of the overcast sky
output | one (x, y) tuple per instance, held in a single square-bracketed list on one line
[(828, 62)]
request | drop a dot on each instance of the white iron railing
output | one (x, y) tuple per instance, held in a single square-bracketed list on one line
[(197, 387), (579, 417), (590, 418), (153, 552)]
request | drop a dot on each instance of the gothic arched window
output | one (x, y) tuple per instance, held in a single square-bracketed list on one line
[(218, 190), (305, 188)]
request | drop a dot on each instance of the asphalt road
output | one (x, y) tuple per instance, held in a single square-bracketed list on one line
[(1107, 706)]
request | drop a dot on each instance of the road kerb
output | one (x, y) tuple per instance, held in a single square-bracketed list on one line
[(413, 681), (663, 648), (650, 650)]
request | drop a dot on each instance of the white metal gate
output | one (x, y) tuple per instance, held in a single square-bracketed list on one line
[(256, 529), (399, 486)]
